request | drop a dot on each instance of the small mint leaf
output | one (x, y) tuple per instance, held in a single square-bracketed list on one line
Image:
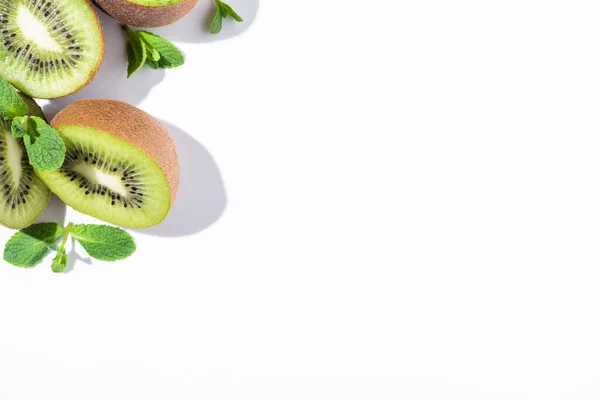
[(19, 126), (217, 21), (59, 264), (12, 105), (229, 10), (104, 242), (169, 55), (136, 51), (45, 147), (27, 247)]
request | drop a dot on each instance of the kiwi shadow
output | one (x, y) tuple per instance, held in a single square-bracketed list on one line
[(111, 80), (56, 211), (194, 27), (201, 199)]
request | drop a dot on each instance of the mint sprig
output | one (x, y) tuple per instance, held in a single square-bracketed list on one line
[(147, 48), (223, 10), (28, 247), (45, 147)]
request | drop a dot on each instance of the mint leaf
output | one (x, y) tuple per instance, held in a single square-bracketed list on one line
[(103, 242), (217, 21), (136, 51), (19, 126), (27, 247), (146, 47), (223, 10), (152, 64), (229, 10), (45, 147), (151, 54), (11, 105), (59, 264), (169, 55)]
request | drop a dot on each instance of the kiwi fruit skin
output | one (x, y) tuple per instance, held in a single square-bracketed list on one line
[(42, 93), (35, 110), (142, 16)]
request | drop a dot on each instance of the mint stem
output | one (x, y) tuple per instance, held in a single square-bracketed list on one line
[(66, 236)]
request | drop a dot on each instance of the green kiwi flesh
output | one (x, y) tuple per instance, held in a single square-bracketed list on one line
[(49, 48), (23, 196), (110, 179)]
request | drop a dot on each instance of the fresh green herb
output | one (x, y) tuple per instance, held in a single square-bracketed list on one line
[(59, 264), (12, 105), (147, 48), (103, 242), (45, 148), (222, 11), (29, 246)]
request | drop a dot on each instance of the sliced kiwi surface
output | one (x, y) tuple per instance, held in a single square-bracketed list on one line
[(49, 48), (110, 179), (23, 196)]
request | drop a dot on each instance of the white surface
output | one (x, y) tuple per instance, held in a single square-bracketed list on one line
[(412, 212)]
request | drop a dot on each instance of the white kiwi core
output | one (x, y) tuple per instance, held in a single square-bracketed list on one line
[(14, 157), (97, 177), (34, 30)]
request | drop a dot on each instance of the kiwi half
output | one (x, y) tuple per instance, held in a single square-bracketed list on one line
[(147, 13), (121, 165), (23, 196), (49, 48)]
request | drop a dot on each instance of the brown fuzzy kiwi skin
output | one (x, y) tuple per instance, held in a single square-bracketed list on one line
[(131, 124), (144, 16)]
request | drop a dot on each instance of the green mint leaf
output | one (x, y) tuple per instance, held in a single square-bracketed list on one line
[(217, 21), (11, 104), (229, 10), (19, 126), (136, 51), (59, 264), (104, 242), (27, 247), (222, 8), (45, 147), (152, 64), (170, 55), (151, 54)]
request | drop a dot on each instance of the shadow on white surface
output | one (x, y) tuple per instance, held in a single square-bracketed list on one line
[(56, 211), (111, 81), (73, 257), (194, 27), (201, 199)]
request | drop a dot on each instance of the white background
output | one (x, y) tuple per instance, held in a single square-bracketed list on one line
[(380, 200)]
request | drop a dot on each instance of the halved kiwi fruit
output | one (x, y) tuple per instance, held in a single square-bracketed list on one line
[(23, 196), (121, 164), (49, 48), (147, 13)]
